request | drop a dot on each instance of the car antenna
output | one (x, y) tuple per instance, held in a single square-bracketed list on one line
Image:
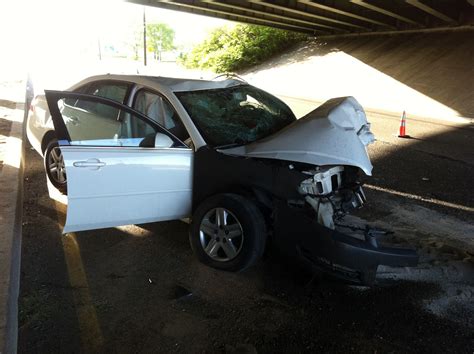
[(230, 76)]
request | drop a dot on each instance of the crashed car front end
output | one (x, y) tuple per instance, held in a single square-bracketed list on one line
[(314, 228), (333, 139), (306, 177)]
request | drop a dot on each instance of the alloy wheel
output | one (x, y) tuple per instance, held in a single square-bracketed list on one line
[(221, 235), (56, 165)]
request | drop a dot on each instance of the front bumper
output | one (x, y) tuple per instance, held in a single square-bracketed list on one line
[(346, 257)]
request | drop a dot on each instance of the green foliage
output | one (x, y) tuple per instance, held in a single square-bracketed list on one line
[(233, 49), (160, 37)]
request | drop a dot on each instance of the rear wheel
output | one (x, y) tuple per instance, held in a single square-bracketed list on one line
[(228, 232), (55, 167)]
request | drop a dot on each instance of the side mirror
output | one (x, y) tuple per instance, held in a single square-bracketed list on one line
[(163, 141)]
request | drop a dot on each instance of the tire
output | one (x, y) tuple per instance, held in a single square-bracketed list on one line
[(54, 166), (238, 242)]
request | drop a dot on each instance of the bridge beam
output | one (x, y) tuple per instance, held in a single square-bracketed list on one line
[(430, 10), (386, 12), (266, 13), (317, 5), (239, 17), (306, 14)]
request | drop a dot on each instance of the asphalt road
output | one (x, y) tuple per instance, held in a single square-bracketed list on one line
[(139, 289)]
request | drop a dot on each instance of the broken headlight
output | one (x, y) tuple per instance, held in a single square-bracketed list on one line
[(329, 198)]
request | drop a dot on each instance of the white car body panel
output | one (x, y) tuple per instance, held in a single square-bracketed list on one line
[(39, 123), (134, 186), (336, 133)]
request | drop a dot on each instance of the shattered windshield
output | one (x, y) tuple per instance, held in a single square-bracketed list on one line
[(235, 115)]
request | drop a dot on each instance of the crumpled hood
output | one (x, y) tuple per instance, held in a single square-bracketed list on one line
[(335, 133)]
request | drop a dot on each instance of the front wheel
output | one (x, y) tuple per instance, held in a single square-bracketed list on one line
[(55, 167), (228, 232)]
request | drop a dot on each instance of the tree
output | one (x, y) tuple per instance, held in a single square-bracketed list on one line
[(160, 38), (231, 49)]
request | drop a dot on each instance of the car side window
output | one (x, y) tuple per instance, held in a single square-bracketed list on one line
[(111, 90), (88, 123), (82, 89), (161, 111)]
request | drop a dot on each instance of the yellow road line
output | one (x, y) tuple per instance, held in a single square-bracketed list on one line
[(91, 335)]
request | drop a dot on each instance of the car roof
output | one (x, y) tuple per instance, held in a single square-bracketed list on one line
[(173, 84)]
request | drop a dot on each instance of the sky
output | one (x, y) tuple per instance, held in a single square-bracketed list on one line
[(49, 33), (189, 28)]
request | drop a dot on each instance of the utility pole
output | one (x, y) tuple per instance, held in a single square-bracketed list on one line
[(99, 48), (144, 37)]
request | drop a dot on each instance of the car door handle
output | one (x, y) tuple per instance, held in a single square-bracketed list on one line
[(94, 163)]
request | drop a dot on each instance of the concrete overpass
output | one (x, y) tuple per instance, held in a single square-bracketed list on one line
[(334, 17)]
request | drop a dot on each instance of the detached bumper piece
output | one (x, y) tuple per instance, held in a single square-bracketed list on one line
[(346, 257)]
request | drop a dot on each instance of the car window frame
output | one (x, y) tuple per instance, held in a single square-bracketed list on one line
[(62, 133)]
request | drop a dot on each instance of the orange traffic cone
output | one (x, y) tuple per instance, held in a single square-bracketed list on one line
[(402, 131)]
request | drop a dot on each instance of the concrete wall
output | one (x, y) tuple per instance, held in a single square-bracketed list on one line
[(429, 75)]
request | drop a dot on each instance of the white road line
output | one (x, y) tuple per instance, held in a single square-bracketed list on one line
[(417, 197)]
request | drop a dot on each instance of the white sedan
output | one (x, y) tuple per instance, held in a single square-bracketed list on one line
[(226, 154)]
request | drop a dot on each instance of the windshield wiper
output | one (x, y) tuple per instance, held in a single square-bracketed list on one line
[(238, 142)]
